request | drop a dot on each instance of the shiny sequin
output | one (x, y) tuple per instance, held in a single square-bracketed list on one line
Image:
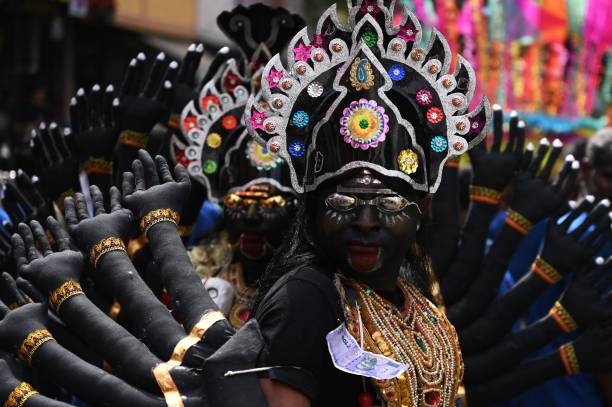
[(435, 115), (257, 120), (300, 118), (407, 161), (297, 148), (439, 144), (397, 72), (364, 124), (424, 97), (213, 140), (315, 90)]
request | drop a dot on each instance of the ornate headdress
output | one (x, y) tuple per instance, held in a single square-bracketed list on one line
[(367, 95), (212, 125)]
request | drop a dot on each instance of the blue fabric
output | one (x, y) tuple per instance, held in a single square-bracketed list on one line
[(568, 391), (207, 219)]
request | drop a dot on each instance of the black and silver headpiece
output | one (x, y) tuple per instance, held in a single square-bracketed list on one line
[(366, 95)]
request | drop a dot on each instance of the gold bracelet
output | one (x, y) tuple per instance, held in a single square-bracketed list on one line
[(114, 311), (135, 245), (98, 165), (132, 138), (518, 222), (196, 334), (20, 395), (167, 386), (545, 271), (174, 121), (107, 245), (569, 358), (484, 195), (30, 345), (65, 291), (563, 318), (157, 216)]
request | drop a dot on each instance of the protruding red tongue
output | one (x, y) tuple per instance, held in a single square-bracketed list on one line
[(252, 245), (363, 258)]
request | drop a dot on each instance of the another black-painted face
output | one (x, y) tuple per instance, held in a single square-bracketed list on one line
[(257, 218), (366, 228)]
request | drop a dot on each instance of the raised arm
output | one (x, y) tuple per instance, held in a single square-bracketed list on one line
[(533, 200), (156, 199), (589, 353), (57, 274), (493, 171), (103, 237), (584, 303), (567, 249)]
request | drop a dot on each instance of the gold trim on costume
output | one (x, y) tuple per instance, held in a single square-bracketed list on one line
[(31, 343), (132, 138), (545, 271), (569, 358), (196, 335), (98, 165), (20, 395), (484, 195), (518, 222), (563, 318), (166, 384), (107, 245), (157, 216), (67, 290)]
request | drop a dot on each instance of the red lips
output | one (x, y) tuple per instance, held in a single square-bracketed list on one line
[(363, 258), (253, 246)]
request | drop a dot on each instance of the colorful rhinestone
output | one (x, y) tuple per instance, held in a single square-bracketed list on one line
[(364, 124)]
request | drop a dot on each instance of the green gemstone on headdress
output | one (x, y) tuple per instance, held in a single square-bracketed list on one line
[(209, 167), (364, 124), (369, 38)]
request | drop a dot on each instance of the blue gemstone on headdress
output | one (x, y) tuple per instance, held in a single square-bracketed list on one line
[(439, 144), (297, 148), (397, 72), (300, 118)]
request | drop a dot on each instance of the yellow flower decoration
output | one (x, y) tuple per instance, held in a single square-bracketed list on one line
[(408, 161), (213, 140)]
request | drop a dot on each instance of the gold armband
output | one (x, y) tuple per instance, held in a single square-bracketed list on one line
[(174, 121), (132, 138), (98, 165), (166, 384), (64, 292), (157, 216), (110, 244), (518, 222), (563, 318), (20, 395), (484, 195), (196, 334), (569, 358), (30, 345), (545, 271)]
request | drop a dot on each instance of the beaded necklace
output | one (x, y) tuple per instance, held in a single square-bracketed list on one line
[(418, 335)]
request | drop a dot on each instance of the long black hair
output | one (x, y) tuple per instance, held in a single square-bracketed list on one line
[(298, 250)]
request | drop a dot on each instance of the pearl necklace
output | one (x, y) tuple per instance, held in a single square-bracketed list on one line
[(419, 335)]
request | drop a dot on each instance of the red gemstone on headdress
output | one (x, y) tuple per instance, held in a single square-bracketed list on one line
[(433, 398), (458, 146), (337, 47), (275, 147)]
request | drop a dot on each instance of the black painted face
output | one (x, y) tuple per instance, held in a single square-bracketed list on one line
[(365, 227), (257, 218)]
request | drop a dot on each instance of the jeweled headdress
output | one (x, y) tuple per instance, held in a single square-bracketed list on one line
[(212, 126), (366, 94)]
